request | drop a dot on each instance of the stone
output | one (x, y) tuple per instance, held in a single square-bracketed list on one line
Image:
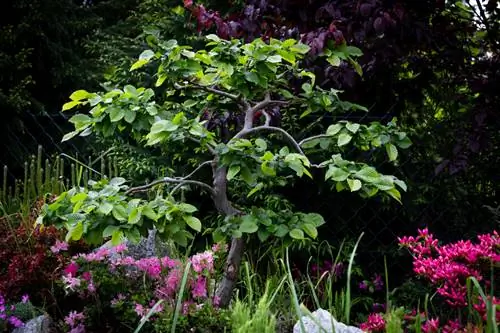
[(40, 324), (327, 323), (147, 247)]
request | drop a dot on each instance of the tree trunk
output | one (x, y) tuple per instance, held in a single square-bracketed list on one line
[(225, 287)]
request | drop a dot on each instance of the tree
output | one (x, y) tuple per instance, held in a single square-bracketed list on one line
[(259, 152)]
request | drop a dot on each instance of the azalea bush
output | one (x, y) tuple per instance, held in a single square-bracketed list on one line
[(116, 290), (462, 274)]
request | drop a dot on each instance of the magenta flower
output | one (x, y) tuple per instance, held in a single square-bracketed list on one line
[(16, 322), (200, 288), (431, 326), (25, 299), (71, 269), (375, 322)]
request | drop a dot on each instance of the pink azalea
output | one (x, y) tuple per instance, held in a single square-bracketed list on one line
[(431, 326), (59, 246), (203, 261), (71, 269), (74, 318), (375, 322), (200, 288)]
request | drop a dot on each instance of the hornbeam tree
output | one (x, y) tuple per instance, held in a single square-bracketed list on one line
[(258, 150)]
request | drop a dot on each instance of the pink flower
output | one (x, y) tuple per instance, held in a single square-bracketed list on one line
[(71, 282), (203, 261), (59, 246), (375, 322), (168, 286), (218, 247), (80, 328), (120, 248), (139, 309), (25, 299), (200, 288), (74, 318), (151, 266), (431, 326), (16, 322), (169, 263)]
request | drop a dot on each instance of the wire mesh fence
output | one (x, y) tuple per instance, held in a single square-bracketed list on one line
[(30, 171)]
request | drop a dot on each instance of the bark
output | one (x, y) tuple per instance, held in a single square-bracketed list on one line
[(226, 285)]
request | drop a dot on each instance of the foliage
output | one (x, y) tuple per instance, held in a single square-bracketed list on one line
[(247, 79)]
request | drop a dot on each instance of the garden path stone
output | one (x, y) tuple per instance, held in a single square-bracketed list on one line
[(325, 319), (40, 324)]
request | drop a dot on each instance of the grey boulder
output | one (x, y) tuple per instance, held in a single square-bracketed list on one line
[(327, 324), (40, 324)]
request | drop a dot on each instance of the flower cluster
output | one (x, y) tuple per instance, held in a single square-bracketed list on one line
[(374, 323), (109, 271), (449, 266), (7, 318), (375, 284)]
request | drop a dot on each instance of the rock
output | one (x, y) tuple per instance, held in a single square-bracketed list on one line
[(40, 324), (146, 248), (327, 322)]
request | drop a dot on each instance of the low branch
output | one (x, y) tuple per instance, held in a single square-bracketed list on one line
[(246, 132), (209, 89), (311, 138), (268, 118), (180, 181)]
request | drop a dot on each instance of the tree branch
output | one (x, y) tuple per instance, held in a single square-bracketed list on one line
[(320, 136), (268, 118), (209, 89), (246, 132), (180, 181)]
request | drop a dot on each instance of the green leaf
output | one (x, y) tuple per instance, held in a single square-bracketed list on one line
[(75, 232), (287, 56), (130, 116), (180, 238), (395, 194), (105, 208), (117, 237), (261, 144), (109, 230), (186, 208), (281, 231), (233, 171), (336, 174), (310, 230), (135, 216), (333, 129), (296, 234), (117, 181), (149, 213), (316, 219), (343, 139), (404, 143), (163, 126), (79, 95), (133, 235), (392, 151), (274, 59), (138, 64), (193, 222), (267, 170), (69, 135), (116, 114), (252, 77), (353, 51), (249, 225), (368, 175), (263, 235), (352, 127), (300, 48), (333, 60), (213, 38), (146, 55), (70, 105), (120, 213), (354, 184), (79, 197)]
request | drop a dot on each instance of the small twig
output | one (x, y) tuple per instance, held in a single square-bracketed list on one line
[(268, 118), (209, 89), (181, 181), (320, 136), (170, 180), (245, 132)]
